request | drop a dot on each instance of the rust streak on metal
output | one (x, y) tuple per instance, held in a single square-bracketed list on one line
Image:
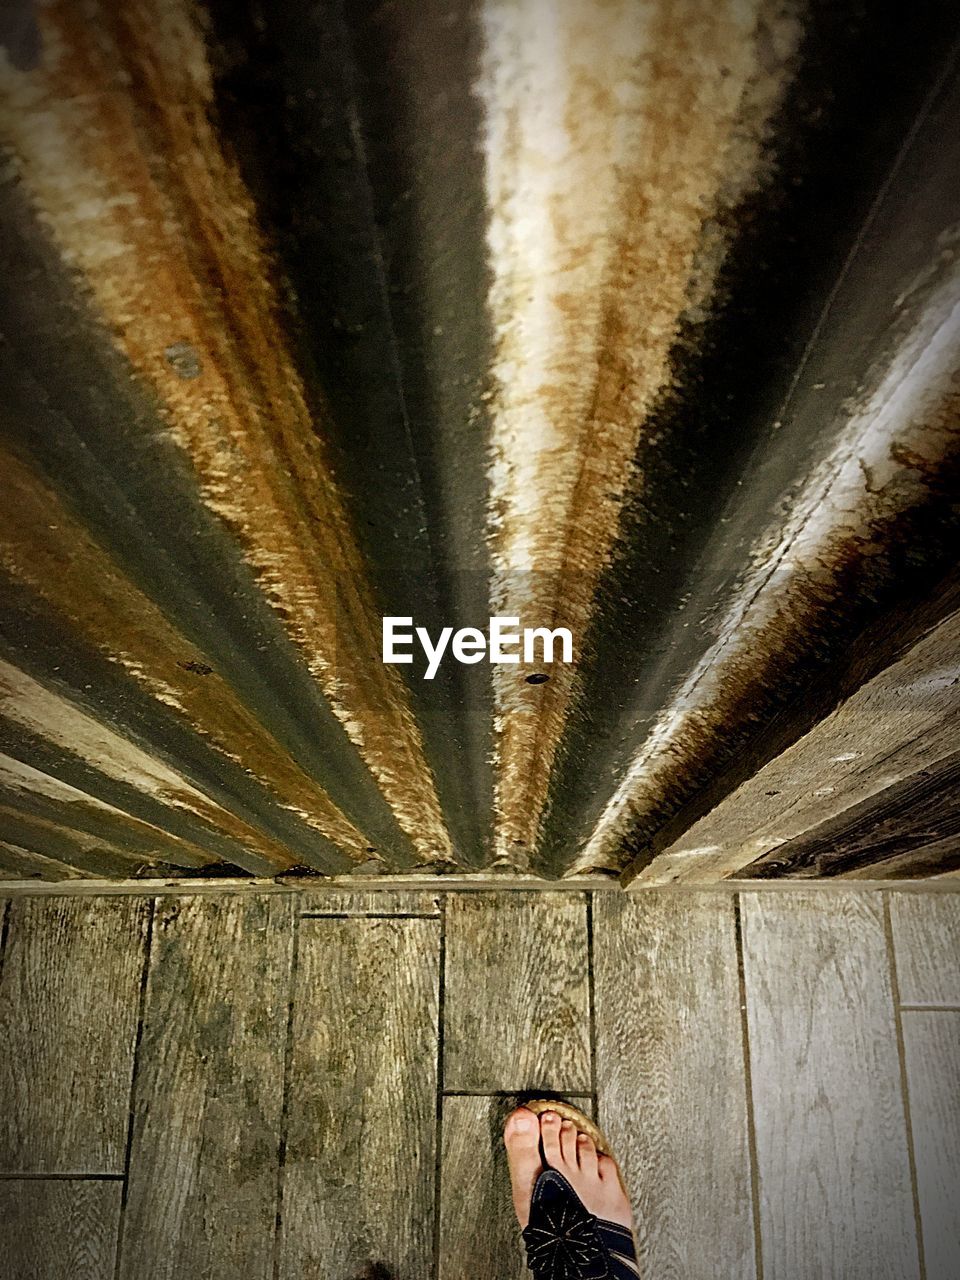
[(116, 145), (611, 141), (43, 546)]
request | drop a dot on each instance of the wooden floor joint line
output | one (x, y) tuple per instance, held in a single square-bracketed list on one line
[(128, 1149), (748, 1087), (368, 915), (20, 1176), (4, 930), (438, 1138), (904, 1086), (592, 1004), (287, 1078), (517, 1093)]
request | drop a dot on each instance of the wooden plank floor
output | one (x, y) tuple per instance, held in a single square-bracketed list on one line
[(282, 1087)]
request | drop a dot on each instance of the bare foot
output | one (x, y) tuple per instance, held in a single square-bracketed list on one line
[(521, 1136), (595, 1178)]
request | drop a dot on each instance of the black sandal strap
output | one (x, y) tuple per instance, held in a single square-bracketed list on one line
[(619, 1244), (565, 1241), (562, 1238)]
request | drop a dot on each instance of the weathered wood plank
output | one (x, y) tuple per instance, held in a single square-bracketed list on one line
[(912, 816), (923, 862), (832, 1152), (670, 1078), (517, 1004), (69, 996), (58, 1229), (359, 1175), (209, 1089), (932, 1047), (900, 722), (926, 939), (388, 902), (475, 1189)]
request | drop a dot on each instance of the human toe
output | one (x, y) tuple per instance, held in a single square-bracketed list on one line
[(587, 1155), (568, 1143), (550, 1138)]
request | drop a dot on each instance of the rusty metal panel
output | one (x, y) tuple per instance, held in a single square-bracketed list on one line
[(641, 320)]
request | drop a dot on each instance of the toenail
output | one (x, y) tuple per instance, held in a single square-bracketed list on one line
[(566, 1124), (523, 1120), (550, 1116)]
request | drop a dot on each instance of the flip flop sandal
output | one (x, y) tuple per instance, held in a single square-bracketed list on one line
[(564, 1241)]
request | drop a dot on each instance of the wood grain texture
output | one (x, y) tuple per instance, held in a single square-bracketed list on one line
[(896, 724), (209, 1089), (926, 939), (68, 1022), (832, 1154), (395, 902), (57, 1229), (359, 1176), (475, 1189), (517, 1004), (932, 1046), (923, 862), (670, 1079), (909, 818)]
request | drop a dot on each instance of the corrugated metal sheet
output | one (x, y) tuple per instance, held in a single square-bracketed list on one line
[(641, 319)]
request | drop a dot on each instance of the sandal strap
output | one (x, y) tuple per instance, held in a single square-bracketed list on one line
[(622, 1249), (564, 1241)]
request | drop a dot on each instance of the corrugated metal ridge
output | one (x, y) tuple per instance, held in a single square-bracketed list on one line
[(642, 321)]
